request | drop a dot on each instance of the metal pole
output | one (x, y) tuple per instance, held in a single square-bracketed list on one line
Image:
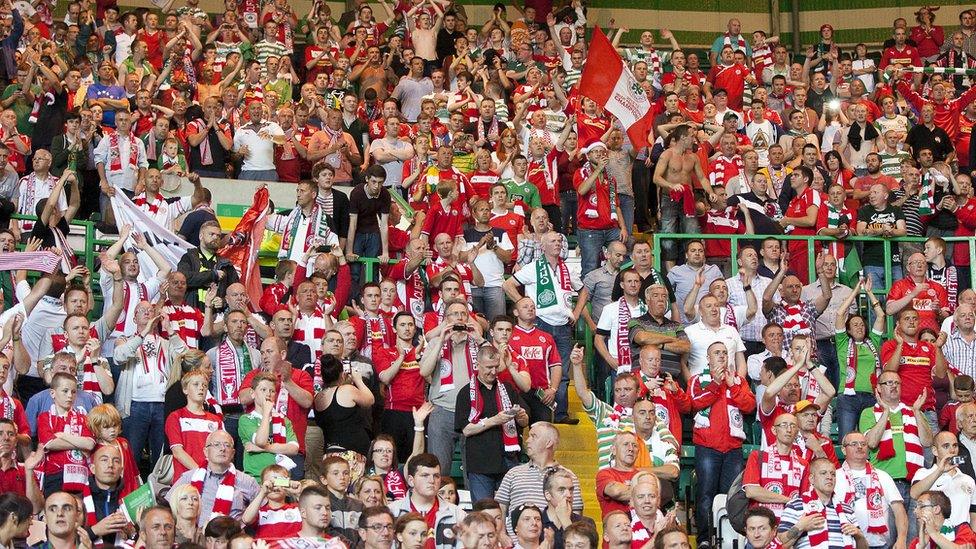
[(795, 23), (774, 18)]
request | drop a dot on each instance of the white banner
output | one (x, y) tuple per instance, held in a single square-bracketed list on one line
[(170, 245)]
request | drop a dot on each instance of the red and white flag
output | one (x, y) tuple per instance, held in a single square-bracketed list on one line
[(244, 244), (608, 81)]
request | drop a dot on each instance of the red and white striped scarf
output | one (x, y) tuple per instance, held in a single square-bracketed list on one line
[(7, 405), (820, 538), (740, 42), (75, 480), (730, 316), (206, 155), (142, 203), (115, 153), (914, 458), (224, 497), (762, 57), (278, 435), (229, 372), (152, 351), (447, 365), (504, 402), (724, 168), (126, 305), (795, 321), (611, 183), (852, 353), (375, 333), (43, 261), (877, 512), (310, 329), (642, 534), (89, 381), (624, 359), (786, 473)]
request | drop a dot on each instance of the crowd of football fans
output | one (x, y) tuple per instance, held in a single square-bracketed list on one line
[(412, 353)]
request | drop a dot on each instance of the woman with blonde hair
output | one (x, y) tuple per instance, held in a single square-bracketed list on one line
[(184, 501), (370, 491), (105, 423)]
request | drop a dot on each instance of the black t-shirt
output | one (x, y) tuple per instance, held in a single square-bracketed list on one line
[(368, 209), (920, 137), (873, 253)]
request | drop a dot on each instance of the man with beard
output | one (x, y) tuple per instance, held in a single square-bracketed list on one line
[(202, 266)]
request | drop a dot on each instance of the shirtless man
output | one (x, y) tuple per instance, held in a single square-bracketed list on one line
[(673, 174), (372, 74)]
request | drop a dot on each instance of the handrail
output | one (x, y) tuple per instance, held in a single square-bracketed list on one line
[(812, 255)]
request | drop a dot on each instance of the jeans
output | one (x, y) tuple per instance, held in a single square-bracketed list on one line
[(484, 485), (441, 438), (877, 274), (298, 471), (904, 488), (489, 301), (627, 208), (564, 344), (365, 245), (568, 201), (231, 422), (827, 356), (258, 175), (715, 472), (591, 243), (849, 408), (673, 217), (142, 427)]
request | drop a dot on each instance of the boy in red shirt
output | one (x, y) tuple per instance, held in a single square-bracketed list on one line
[(64, 436), (187, 429), (445, 215), (270, 511)]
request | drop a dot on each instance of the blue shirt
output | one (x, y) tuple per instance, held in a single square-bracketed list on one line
[(42, 402)]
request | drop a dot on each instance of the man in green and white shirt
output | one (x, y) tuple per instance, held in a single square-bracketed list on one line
[(608, 419), (661, 445), (523, 194)]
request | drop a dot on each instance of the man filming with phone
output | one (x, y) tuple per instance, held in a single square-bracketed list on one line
[(944, 476), (489, 415)]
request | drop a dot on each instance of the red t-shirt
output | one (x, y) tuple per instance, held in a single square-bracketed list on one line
[(590, 128), (14, 480), (593, 209), (296, 413), (48, 424), (510, 223), (732, 79), (721, 222), (481, 182), (189, 430), (539, 351), (784, 479), (917, 362), (282, 523), (934, 297), (964, 536), (605, 477), (440, 220), (406, 389), (798, 208)]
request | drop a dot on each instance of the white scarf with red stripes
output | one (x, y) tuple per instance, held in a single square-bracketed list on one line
[(224, 497), (877, 513), (624, 359), (820, 538), (914, 459)]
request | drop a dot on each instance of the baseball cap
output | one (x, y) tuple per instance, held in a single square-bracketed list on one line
[(799, 407)]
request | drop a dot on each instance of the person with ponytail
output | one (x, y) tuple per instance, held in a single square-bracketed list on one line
[(15, 518)]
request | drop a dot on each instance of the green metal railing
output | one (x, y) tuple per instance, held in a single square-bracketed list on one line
[(813, 250)]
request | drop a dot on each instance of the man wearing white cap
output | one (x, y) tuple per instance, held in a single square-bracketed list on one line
[(599, 218)]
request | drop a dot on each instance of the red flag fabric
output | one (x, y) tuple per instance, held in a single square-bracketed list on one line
[(608, 81), (245, 243)]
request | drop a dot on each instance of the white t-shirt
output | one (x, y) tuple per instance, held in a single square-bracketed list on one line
[(960, 488), (260, 145), (702, 336), (492, 269), (560, 312), (858, 484), (610, 321)]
